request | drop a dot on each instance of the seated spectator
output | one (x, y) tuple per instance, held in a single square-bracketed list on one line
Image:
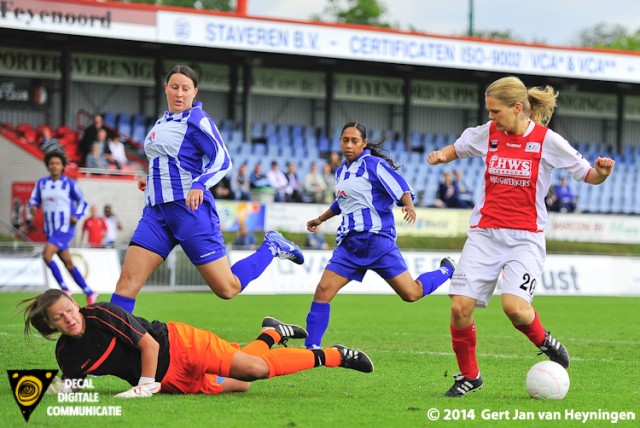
[(447, 196), (258, 178), (222, 189), (330, 180), (565, 197), (49, 143), (315, 240), (293, 191), (90, 135), (465, 197), (241, 183), (118, 153), (245, 239), (334, 161), (96, 159), (314, 185), (278, 181)]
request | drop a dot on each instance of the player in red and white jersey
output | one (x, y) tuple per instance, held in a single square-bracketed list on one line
[(506, 235)]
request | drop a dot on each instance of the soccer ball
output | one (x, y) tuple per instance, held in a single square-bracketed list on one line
[(547, 380)]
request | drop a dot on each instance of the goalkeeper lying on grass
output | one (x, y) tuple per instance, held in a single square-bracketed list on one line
[(104, 339)]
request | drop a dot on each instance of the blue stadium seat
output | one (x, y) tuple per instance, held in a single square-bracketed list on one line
[(109, 118), (323, 145), (139, 133), (257, 130), (270, 129), (124, 124)]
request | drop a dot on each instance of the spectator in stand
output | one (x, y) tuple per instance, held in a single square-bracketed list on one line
[(241, 183), (245, 239), (335, 160), (330, 180), (96, 159), (49, 142), (447, 196), (113, 226), (314, 185), (258, 178), (315, 240), (222, 189), (278, 181), (118, 153), (95, 228), (565, 199), (465, 197), (293, 190), (90, 135)]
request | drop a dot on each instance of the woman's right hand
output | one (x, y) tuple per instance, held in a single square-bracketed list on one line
[(436, 157), (142, 183)]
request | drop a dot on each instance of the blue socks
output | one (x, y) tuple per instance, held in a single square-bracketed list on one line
[(79, 279), (317, 323), (55, 271), (252, 267), (126, 303), (434, 279)]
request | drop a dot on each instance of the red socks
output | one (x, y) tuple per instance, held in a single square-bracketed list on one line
[(463, 341), (534, 331)]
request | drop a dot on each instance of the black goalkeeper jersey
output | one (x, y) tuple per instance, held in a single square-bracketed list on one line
[(109, 345)]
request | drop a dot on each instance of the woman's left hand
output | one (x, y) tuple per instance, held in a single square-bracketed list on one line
[(194, 199), (409, 214)]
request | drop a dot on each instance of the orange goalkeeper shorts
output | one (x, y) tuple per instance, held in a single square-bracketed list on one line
[(198, 358)]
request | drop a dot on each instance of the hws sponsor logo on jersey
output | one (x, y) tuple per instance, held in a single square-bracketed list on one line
[(509, 167)]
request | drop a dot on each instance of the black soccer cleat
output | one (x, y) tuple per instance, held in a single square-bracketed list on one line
[(354, 359), (287, 331), (463, 385), (448, 261), (554, 350)]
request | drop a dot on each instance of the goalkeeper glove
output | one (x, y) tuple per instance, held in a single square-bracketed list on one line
[(146, 388)]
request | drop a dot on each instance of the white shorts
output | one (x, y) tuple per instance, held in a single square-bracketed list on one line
[(516, 254)]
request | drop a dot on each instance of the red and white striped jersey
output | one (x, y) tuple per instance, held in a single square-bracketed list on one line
[(517, 173)]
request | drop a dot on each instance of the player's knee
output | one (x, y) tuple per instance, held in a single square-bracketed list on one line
[(226, 292), (257, 369), (460, 312), (516, 313), (410, 297)]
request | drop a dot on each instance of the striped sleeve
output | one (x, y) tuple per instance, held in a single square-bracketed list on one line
[(216, 160), (393, 182), (36, 198), (80, 203)]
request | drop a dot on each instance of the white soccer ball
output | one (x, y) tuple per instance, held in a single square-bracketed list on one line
[(547, 380)]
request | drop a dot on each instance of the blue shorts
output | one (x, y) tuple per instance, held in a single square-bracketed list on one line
[(198, 232), (61, 239), (363, 251)]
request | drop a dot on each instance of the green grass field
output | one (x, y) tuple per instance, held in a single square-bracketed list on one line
[(409, 344)]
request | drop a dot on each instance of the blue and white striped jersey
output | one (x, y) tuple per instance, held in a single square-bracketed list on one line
[(60, 199), (185, 151), (366, 191)]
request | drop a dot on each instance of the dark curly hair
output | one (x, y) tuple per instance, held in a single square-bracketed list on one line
[(55, 154)]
